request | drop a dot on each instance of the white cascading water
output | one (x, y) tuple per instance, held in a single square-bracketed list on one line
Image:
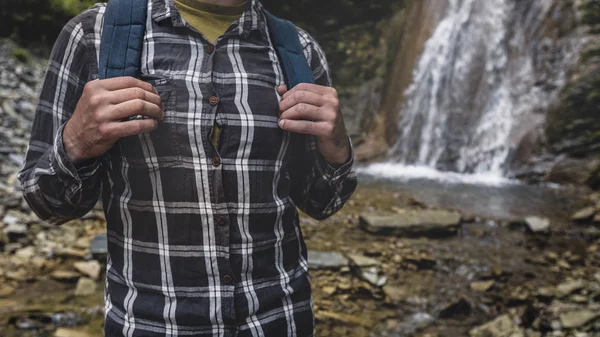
[(476, 89)]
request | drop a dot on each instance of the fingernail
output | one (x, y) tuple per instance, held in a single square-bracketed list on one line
[(281, 123)]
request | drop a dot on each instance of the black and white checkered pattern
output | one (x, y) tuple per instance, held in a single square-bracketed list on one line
[(203, 241)]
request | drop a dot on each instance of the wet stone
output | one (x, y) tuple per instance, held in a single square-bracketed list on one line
[(537, 225), (6, 291), (413, 223), (502, 326), (584, 214), (65, 275), (89, 268), (326, 260), (579, 318), (482, 286), (85, 287), (459, 308), (569, 287), (363, 261)]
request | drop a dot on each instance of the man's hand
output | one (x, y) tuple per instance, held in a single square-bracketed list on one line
[(97, 124), (315, 110)]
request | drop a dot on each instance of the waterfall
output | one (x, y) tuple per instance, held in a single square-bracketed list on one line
[(486, 75)]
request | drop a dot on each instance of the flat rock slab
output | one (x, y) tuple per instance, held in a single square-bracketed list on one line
[(537, 224), (432, 223), (326, 260)]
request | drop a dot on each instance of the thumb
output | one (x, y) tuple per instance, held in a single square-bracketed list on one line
[(282, 89)]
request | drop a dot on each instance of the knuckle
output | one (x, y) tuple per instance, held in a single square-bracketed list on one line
[(301, 95), (334, 102), (129, 81), (329, 128), (333, 92), (307, 128), (94, 100), (137, 127), (103, 131), (302, 108), (138, 105), (89, 86), (139, 94)]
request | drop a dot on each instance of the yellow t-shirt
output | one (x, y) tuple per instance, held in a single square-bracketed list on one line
[(212, 21), (209, 19)]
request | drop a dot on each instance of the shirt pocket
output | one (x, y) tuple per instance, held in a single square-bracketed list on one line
[(157, 149)]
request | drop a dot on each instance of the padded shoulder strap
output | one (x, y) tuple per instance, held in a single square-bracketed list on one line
[(289, 49), (122, 38)]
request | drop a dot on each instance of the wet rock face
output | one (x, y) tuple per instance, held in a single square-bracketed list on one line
[(357, 38)]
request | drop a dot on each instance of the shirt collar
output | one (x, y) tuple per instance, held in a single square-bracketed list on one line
[(253, 19)]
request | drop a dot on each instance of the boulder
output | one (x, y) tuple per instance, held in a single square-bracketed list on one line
[(413, 223), (326, 260), (502, 326)]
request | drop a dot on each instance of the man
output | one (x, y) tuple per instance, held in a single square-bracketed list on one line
[(200, 194)]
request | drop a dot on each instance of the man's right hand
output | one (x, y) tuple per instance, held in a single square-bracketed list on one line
[(97, 124)]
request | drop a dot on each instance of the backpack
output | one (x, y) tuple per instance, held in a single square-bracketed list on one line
[(123, 34)]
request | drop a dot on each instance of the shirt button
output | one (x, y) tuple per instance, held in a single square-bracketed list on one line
[(216, 161), (221, 221), (213, 100), (210, 49), (228, 279)]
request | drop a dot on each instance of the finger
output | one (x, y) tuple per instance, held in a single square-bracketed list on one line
[(118, 83), (129, 94), (298, 97), (315, 88), (130, 128), (282, 89), (318, 129), (136, 107), (303, 111)]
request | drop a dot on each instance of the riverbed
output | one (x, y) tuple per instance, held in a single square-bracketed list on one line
[(433, 286)]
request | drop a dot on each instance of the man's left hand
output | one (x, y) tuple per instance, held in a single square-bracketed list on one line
[(315, 110)]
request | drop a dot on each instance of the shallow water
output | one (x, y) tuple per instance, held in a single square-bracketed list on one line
[(489, 197)]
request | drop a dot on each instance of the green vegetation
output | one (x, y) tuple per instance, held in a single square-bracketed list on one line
[(21, 55), (37, 22), (591, 12)]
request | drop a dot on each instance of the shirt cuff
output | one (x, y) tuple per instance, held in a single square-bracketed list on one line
[(338, 173), (70, 174)]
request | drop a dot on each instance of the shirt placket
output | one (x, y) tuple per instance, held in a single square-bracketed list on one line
[(211, 109)]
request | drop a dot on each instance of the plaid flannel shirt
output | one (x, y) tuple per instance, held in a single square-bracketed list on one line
[(203, 240)]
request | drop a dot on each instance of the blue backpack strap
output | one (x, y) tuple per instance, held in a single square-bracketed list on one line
[(286, 41), (122, 38)]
